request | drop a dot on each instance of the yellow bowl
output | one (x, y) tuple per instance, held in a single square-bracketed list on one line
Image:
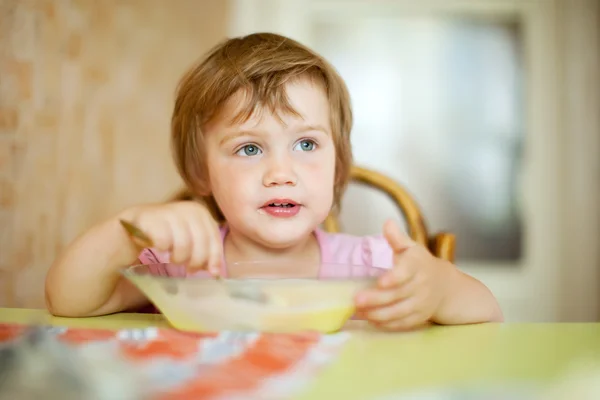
[(200, 303)]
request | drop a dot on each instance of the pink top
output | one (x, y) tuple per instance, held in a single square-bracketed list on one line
[(366, 256)]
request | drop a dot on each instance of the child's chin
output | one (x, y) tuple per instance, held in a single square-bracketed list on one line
[(282, 237)]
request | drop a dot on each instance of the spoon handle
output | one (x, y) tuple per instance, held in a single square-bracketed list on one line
[(137, 233)]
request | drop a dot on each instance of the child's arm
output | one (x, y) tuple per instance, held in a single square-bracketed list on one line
[(466, 301), (85, 280)]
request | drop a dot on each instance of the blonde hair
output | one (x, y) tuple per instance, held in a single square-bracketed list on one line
[(259, 65)]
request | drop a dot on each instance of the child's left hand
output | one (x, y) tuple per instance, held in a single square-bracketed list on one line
[(408, 295)]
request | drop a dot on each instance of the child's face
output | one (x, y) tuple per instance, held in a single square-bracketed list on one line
[(259, 164)]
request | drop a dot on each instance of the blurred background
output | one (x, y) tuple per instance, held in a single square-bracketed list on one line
[(486, 110)]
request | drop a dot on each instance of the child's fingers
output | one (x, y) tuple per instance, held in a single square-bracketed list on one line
[(392, 312), (380, 297), (401, 274), (410, 323), (360, 314), (215, 248), (398, 240), (181, 248), (200, 246), (159, 232)]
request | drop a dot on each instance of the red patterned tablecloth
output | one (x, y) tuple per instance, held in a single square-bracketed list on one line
[(210, 366)]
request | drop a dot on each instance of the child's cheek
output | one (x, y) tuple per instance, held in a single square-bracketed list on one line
[(320, 161), (235, 169)]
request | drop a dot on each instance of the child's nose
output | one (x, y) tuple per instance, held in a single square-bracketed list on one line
[(279, 172)]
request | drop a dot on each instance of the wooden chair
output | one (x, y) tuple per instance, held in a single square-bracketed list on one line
[(441, 245)]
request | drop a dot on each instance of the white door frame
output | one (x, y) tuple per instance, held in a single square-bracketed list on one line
[(558, 278)]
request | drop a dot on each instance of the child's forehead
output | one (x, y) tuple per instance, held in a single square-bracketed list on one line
[(263, 117), (266, 122), (305, 105)]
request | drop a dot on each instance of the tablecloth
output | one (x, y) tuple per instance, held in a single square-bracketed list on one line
[(212, 366)]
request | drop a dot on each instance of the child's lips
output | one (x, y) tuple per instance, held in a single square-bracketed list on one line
[(281, 208), (281, 203)]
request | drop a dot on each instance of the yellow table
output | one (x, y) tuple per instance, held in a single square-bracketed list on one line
[(374, 364)]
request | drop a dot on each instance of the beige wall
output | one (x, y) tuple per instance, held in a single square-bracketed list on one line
[(86, 89)]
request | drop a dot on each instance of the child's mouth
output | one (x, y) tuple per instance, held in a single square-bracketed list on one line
[(282, 205), (281, 208), (281, 202)]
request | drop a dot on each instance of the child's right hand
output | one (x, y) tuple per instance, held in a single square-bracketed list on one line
[(186, 229)]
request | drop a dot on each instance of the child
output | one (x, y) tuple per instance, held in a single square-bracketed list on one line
[(261, 131)]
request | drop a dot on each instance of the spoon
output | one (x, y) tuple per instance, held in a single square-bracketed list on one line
[(243, 291)]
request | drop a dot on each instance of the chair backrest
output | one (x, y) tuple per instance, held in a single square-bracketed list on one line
[(406, 204), (441, 245)]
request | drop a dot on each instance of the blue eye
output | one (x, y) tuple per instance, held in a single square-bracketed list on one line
[(306, 145), (249, 150)]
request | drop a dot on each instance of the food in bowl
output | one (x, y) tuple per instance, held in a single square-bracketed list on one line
[(200, 303)]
